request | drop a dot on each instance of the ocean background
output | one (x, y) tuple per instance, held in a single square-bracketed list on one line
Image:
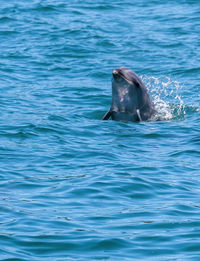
[(74, 187)]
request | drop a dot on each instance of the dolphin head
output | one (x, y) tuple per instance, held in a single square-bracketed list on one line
[(127, 90), (127, 75), (130, 98)]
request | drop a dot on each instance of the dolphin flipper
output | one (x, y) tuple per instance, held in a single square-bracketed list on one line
[(107, 115), (138, 114)]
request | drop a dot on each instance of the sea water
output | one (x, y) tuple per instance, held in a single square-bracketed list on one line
[(74, 187)]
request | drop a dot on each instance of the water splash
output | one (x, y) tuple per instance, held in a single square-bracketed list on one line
[(166, 96)]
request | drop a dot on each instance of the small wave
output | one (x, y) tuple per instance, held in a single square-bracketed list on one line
[(6, 19)]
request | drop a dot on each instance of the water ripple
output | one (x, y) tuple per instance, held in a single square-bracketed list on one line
[(74, 187)]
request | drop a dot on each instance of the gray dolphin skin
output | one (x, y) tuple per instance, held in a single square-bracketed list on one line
[(130, 99)]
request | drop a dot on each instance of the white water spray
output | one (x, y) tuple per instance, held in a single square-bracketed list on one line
[(166, 97)]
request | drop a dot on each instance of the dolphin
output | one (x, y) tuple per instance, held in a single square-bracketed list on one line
[(130, 98)]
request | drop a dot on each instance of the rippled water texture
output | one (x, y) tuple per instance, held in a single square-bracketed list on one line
[(74, 187)]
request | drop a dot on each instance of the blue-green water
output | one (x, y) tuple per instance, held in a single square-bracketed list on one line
[(74, 187)]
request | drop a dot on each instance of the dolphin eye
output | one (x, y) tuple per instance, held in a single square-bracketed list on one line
[(137, 84)]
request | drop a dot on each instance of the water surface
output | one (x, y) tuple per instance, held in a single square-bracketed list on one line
[(74, 187)]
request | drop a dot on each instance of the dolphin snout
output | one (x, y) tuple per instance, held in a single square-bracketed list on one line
[(115, 71)]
